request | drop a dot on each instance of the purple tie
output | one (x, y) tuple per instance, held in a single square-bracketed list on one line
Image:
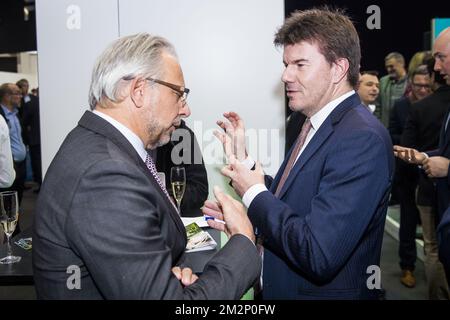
[(151, 166)]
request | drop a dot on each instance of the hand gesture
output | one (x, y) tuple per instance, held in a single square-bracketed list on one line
[(409, 155), (233, 136), (232, 212)]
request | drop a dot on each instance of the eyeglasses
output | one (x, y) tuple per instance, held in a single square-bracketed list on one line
[(15, 93), (181, 91), (421, 86)]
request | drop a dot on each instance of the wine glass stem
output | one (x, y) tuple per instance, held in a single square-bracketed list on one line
[(9, 252)]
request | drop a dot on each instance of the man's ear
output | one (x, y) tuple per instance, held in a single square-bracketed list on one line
[(137, 89), (340, 66)]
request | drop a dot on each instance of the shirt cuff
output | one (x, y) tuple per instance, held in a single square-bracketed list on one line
[(249, 163), (252, 192)]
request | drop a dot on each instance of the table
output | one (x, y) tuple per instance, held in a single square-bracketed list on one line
[(21, 273)]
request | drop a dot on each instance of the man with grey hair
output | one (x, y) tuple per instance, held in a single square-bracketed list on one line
[(102, 207), (392, 85)]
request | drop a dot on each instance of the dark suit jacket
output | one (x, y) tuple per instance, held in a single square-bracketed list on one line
[(327, 227), (100, 208), (184, 147), (421, 132), (443, 184), (30, 122), (397, 118), (443, 232)]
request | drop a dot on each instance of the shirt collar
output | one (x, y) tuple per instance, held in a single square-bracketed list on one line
[(135, 141), (322, 114), (8, 112)]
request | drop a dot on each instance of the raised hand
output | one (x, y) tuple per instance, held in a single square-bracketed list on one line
[(241, 177), (233, 135)]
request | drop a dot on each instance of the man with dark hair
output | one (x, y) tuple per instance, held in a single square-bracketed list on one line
[(31, 127), (321, 219), (368, 89)]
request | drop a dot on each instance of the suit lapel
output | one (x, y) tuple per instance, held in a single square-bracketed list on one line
[(319, 138), (95, 123), (325, 130), (276, 180)]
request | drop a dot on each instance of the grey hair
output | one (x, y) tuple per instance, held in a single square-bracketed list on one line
[(397, 56), (124, 59)]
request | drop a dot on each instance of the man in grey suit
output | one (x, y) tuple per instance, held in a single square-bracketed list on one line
[(102, 210)]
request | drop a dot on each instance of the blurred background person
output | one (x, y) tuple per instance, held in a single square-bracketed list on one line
[(407, 176), (369, 89), (31, 130), (183, 150), (392, 85), (7, 173)]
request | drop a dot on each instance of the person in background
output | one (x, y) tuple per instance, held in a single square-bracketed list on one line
[(368, 89), (418, 59), (10, 95), (32, 131), (421, 132), (436, 162), (407, 176), (7, 173), (183, 150), (392, 85)]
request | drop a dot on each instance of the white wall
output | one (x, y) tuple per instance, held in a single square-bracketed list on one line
[(70, 35), (229, 63), (225, 49), (13, 77)]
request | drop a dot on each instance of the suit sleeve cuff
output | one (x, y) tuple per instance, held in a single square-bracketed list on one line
[(249, 163), (252, 192)]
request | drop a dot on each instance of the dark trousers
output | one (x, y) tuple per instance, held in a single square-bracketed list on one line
[(18, 185), (36, 164), (409, 216)]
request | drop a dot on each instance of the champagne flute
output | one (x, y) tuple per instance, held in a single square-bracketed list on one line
[(178, 181), (9, 214)]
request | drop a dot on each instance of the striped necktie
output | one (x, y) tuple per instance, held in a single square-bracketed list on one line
[(151, 166)]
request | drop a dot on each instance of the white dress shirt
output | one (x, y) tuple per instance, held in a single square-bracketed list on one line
[(135, 141), (7, 173), (316, 121)]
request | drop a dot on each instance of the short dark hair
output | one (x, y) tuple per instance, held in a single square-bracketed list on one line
[(22, 82), (371, 72), (333, 31)]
